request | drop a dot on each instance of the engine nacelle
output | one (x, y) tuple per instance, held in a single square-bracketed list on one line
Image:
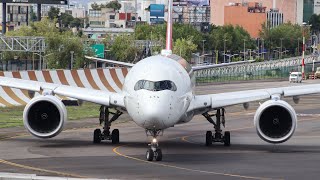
[(45, 116), (275, 121)]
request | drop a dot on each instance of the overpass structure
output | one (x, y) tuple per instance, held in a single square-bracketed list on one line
[(38, 44), (38, 2)]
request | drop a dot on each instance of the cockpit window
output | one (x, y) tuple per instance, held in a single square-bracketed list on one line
[(155, 86)]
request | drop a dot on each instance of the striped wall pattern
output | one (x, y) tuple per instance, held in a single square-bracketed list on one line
[(101, 79)]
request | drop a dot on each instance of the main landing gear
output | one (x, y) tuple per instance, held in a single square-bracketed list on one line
[(98, 136), (154, 152), (217, 136)]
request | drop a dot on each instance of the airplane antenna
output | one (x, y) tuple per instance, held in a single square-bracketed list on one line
[(168, 50)]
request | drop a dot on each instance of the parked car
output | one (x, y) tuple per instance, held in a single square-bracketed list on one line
[(317, 73), (295, 77)]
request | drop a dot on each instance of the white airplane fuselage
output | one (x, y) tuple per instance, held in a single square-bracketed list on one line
[(158, 91)]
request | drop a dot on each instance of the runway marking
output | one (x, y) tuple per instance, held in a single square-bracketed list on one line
[(40, 170)]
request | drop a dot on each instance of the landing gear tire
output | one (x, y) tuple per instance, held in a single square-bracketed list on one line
[(208, 138), (226, 138), (150, 155), (158, 155), (97, 136), (115, 136)]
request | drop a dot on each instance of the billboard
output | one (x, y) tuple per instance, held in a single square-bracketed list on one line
[(193, 2), (157, 10)]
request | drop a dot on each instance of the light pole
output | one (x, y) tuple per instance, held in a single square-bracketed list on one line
[(298, 46), (303, 49), (224, 51), (262, 48), (281, 48), (203, 46), (244, 49), (71, 65)]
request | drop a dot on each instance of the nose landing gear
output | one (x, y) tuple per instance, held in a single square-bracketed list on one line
[(98, 136), (217, 137), (154, 152)]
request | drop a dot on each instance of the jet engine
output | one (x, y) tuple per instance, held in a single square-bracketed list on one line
[(275, 121), (45, 116)]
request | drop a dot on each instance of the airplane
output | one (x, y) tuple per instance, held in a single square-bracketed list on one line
[(158, 93)]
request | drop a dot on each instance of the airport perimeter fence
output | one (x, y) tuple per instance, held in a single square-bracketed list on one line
[(250, 72)]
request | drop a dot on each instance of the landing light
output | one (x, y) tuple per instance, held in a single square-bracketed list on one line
[(154, 140)]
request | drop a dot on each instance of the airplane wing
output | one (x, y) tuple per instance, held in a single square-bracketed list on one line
[(213, 101), (110, 61), (84, 94), (197, 68)]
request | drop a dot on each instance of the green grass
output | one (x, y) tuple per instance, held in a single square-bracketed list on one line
[(12, 116)]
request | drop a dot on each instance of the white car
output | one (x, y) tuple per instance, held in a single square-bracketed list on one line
[(295, 77)]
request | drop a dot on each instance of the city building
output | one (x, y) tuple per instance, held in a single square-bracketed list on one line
[(17, 15), (74, 9), (250, 16), (196, 13), (290, 9), (274, 18), (108, 18)]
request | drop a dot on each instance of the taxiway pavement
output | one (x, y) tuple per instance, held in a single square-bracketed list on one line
[(185, 156)]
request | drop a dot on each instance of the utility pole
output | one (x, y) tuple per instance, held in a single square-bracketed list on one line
[(224, 51), (244, 49), (71, 63), (203, 46), (281, 48)]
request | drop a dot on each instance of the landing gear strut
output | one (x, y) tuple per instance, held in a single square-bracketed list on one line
[(98, 136), (217, 136), (154, 152)]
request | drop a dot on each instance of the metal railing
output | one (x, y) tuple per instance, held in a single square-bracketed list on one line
[(278, 69)]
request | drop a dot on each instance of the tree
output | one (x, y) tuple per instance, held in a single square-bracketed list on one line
[(77, 22), (229, 38), (288, 35), (59, 44), (184, 48), (123, 48), (53, 13), (66, 19), (115, 5), (95, 6), (315, 22)]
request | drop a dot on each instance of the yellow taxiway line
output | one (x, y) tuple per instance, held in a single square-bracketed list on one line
[(116, 150), (35, 168)]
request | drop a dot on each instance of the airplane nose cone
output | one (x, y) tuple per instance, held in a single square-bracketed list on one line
[(154, 112)]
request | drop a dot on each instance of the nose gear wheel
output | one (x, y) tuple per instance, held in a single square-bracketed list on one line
[(154, 152)]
